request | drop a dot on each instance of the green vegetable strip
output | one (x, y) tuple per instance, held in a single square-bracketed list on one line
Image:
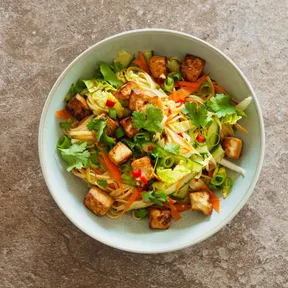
[(211, 139), (167, 162), (112, 113), (64, 142), (119, 132)]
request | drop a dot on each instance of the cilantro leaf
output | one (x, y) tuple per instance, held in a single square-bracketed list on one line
[(109, 75), (172, 148), (102, 183), (141, 213), (151, 121), (157, 198), (75, 88), (221, 105), (198, 116), (106, 139), (76, 155), (98, 125)]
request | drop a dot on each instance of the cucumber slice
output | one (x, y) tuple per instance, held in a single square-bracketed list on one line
[(212, 135), (139, 204), (174, 65), (124, 58), (218, 153), (148, 55), (184, 189)]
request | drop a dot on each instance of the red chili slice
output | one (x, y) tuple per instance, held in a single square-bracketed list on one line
[(110, 103)]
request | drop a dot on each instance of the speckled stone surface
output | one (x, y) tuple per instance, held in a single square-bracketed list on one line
[(39, 246)]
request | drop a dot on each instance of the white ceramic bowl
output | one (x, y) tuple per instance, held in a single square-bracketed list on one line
[(126, 233)]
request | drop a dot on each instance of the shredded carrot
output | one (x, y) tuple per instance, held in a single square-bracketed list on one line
[(179, 184), (182, 207), (141, 62), (186, 89), (210, 173), (219, 89), (175, 214), (112, 168), (239, 127), (63, 114), (214, 200), (195, 84), (96, 171), (235, 101), (133, 198)]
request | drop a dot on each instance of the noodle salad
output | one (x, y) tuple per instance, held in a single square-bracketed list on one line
[(151, 136)]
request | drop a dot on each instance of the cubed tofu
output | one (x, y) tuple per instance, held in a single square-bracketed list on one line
[(143, 164), (126, 123), (78, 107), (98, 201), (111, 124), (139, 100), (200, 202), (160, 218), (191, 67), (158, 66), (120, 153), (124, 92), (232, 147)]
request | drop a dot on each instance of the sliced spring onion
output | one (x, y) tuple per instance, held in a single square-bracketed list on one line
[(141, 137), (174, 64), (112, 113), (119, 132), (175, 75), (168, 84), (167, 162), (243, 105), (227, 187), (64, 142), (205, 89), (232, 166)]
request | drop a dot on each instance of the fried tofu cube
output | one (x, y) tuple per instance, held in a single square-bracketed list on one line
[(126, 123), (119, 154), (158, 66), (139, 100), (232, 147), (200, 202), (160, 218), (143, 164), (98, 201), (124, 92), (191, 67), (111, 124), (78, 107)]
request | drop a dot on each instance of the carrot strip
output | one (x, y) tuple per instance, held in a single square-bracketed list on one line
[(141, 62), (182, 207), (175, 214), (133, 197), (112, 168), (63, 114), (179, 184), (239, 127), (215, 201), (220, 89), (196, 84)]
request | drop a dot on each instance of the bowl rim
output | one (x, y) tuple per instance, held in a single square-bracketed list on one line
[(115, 244)]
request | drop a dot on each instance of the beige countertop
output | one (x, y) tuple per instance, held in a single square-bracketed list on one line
[(39, 246)]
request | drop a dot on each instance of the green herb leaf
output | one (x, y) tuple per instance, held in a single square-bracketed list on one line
[(94, 159), (107, 140), (172, 148), (76, 155), (102, 183), (65, 125), (109, 75), (198, 116), (151, 121), (141, 213), (75, 88), (98, 125), (221, 105), (157, 198)]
